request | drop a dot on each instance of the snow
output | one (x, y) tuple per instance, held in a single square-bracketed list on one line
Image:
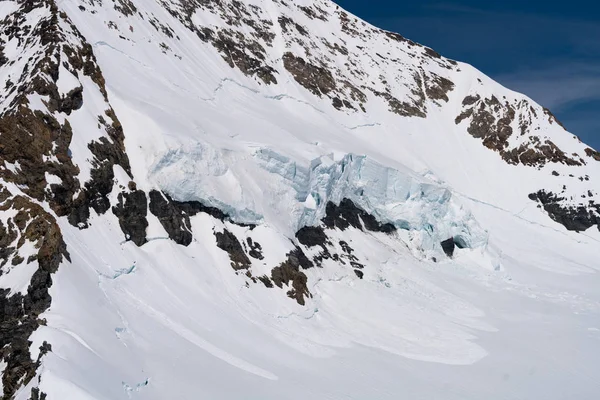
[(12, 167), (53, 179), (510, 316), (66, 80), (17, 278)]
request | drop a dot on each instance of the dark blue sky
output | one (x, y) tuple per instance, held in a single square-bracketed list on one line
[(548, 50)]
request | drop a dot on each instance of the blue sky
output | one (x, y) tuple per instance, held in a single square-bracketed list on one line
[(548, 50)]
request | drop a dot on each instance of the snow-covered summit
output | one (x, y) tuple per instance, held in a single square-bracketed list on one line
[(280, 195)]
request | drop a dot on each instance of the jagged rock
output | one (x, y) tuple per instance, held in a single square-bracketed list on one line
[(20, 312), (289, 271), (316, 79), (347, 214), (592, 153), (359, 273), (575, 218), (312, 236), (448, 246), (173, 219), (255, 249), (266, 281), (131, 211), (228, 242), (72, 101), (491, 121), (37, 395)]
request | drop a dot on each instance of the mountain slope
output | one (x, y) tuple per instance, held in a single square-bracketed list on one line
[(281, 196)]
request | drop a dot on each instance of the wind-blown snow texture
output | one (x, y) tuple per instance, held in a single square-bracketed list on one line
[(277, 200)]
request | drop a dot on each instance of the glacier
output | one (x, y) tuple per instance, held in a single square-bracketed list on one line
[(214, 105), (417, 204)]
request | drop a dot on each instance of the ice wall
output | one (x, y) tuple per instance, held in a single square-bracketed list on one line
[(402, 198), (266, 186)]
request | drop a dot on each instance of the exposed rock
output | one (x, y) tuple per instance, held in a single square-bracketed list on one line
[(131, 211), (244, 51), (592, 153), (37, 395), (359, 273), (491, 120), (341, 216), (348, 214), (448, 246), (266, 281), (401, 108), (20, 312), (173, 219), (312, 236), (573, 217), (437, 87), (228, 242), (316, 79), (255, 249), (289, 272)]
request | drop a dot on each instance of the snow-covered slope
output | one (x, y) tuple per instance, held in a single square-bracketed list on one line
[(269, 199)]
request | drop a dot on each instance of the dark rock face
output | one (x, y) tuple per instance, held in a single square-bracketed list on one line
[(316, 79), (574, 218), (228, 242), (312, 236), (448, 246), (243, 51), (491, 121), (341, 217), (348, 214), (174, 215), (255, 249), (402, 108), (592, 153), (108, 153), (39, 143), (45, 149), (19, 313), (289, 271), (37, 395), (175, 221), (266, 281), (131, 211), (312, 64)]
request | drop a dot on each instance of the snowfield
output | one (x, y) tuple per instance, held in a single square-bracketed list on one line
[(514, 313)]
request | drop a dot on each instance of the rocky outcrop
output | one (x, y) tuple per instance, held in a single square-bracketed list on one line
[(131, 210), (492, 120), (347, 214), (448, 246), (316, 79), (173, 219), (20, 312), (245, 51), (36, 143), (326, 66), (592, 153), (573, 217), (288, 273), (229, 243), (255, 249), (174, 215), (342, 217), (311, 236)]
